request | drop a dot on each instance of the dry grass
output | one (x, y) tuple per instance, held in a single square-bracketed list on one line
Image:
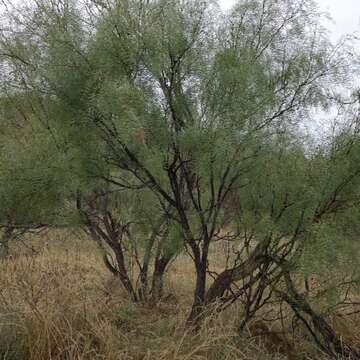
[(62, 304)]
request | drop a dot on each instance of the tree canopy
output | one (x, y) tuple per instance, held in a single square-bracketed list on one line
[(164, 127)]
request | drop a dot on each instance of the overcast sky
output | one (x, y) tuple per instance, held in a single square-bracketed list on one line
[(345, 14)]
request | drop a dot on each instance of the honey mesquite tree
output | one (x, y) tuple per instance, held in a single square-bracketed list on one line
[(199, 111)]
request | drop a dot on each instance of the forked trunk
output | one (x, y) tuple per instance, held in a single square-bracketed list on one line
[(120, 271), (144, 270)]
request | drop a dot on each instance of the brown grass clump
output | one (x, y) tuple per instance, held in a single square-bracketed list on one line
[(62, 304)]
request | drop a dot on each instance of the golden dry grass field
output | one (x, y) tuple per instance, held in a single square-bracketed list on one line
[(62, 303)]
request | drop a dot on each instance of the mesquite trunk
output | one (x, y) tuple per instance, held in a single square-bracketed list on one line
[(322, 332)]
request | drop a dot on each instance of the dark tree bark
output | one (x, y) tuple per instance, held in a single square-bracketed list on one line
[(157, 285), (196, 315), (121, 271), (324, 335)]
